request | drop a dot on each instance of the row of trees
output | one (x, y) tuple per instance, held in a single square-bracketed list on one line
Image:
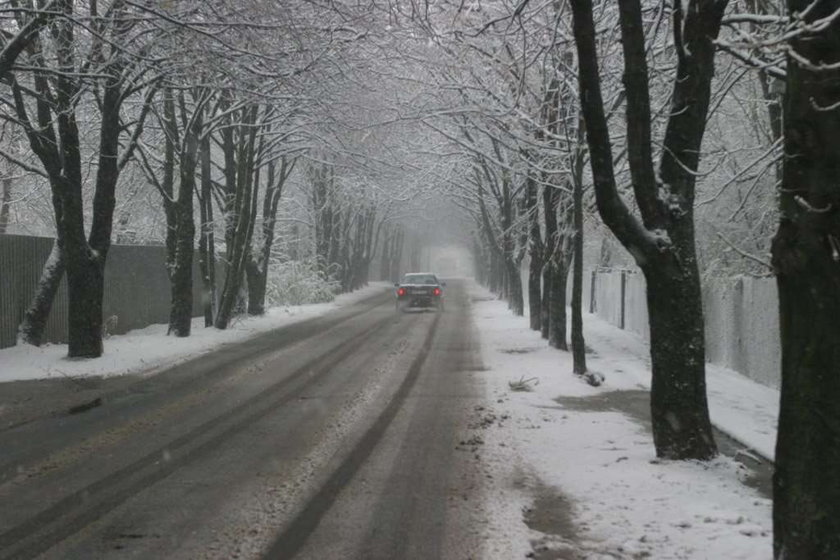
[(628, 90), (672, 122), (212, 106)]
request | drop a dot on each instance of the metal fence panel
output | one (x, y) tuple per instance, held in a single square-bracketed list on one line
[(740, 313), (136, 287)]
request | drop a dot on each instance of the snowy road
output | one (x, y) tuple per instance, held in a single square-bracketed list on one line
[(337, 437)]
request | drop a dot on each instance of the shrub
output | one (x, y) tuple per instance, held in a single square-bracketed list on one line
[(297, 283)]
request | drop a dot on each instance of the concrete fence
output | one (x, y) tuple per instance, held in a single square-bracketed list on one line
[(741, 314), (136, 287)]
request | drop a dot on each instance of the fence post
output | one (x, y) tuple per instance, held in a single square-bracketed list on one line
[(623, 292), (592, 293)]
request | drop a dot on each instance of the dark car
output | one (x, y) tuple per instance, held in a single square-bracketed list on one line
[(420, 289)]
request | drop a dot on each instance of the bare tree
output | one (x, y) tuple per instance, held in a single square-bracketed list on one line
[(31, 20), (257, 265), (662, 242), (58, 85)]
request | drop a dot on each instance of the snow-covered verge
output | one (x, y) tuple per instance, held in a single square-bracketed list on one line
[(584, 477), (746, 410), (149, 349)]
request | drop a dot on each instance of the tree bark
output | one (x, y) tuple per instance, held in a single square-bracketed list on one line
[(5, 204), (806, 258), (560, 262), (550, 200), (207, 242), (257, 269), (557, 299), (535, 251), (181, 271), (578, 342), (240, 236), (31, 329), (55, 140)]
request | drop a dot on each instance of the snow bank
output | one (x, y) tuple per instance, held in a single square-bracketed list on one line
[(558, 439), (148, 349)]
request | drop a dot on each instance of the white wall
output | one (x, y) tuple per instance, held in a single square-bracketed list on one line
[(741, 313)]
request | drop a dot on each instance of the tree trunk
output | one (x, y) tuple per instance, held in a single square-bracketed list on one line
[(561, 261), (534, 290), (545, 307), (5, 204), (514, 288), (243, 226), (397, 255), (578, 343), (207, 243), (181, 274), (806, 257), (557, 302), (662, 241), (31, 329), (257, 286), (85, 290), (550, 200), (679, 409), (535, 252)]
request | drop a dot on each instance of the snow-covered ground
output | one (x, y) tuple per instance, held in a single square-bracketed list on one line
[(148, 350), (586, 476)]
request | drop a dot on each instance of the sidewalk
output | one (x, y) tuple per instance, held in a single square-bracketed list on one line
[(584, 477), (738, 406)]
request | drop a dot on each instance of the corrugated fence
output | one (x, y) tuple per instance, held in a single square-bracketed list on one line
[(741, 317), (136, 287)]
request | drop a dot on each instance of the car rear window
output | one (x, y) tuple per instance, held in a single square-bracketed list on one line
[(419, 279)]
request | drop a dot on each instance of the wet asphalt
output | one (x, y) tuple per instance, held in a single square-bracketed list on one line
[(332, 438)]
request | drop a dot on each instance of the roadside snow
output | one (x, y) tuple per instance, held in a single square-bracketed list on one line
[(555, 453), (738, 406), (149, 349)]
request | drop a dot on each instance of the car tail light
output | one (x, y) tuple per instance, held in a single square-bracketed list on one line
[(401, 292), (437, 291)]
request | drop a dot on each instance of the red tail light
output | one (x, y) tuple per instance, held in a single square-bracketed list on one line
[(401, 292), (437, 291)]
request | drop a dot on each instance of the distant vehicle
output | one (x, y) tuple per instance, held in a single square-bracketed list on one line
[(420, 289)]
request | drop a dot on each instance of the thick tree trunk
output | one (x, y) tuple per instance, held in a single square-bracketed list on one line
[(85, 290), (806, 257), (181, 274), (31, 329), (679, 409)]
